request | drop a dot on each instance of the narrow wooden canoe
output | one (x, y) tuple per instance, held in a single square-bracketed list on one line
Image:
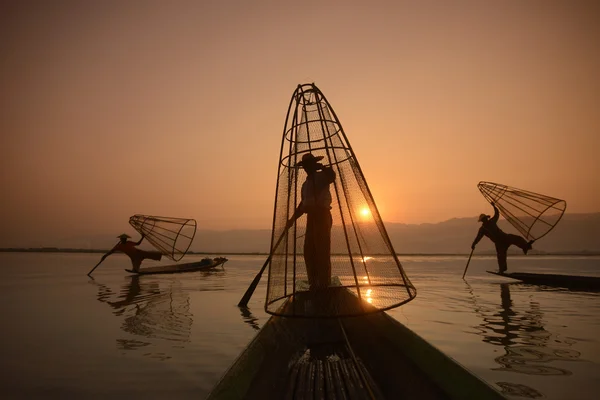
[(591, 283), (368, 357), (202, 265)]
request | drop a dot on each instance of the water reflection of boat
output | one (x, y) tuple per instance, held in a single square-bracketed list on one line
[(589, 283), (529, 347), (371, 356), (150, 312)]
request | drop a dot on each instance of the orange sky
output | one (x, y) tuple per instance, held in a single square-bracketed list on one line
[(112, 108)]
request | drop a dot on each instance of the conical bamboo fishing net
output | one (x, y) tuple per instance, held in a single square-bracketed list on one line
[(532, 214), (170, 236), (362, 258)]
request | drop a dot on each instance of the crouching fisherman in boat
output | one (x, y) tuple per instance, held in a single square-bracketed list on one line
[(316, 204), (501, 239), (136, 255)]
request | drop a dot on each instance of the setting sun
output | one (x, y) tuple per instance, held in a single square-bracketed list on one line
[(365, 212)]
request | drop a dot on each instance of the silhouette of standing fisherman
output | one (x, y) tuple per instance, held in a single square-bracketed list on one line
[(316, 204), (136, 255), (501, 239)]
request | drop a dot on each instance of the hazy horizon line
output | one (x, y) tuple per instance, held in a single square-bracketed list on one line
[(487, 252), (387, 222)]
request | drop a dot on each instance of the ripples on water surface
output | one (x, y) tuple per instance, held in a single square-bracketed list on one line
[(160, 336)]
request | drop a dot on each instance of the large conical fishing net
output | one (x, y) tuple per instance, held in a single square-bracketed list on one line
[(532, 214), (362, 258), (171, 236)]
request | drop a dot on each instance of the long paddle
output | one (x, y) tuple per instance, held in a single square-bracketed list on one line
[(470, 255), (102, 259), (89, 273), (244, 301)]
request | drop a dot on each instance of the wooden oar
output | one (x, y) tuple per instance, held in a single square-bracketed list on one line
[(89, 273), (244, 301), (464, 273), (104, 257)]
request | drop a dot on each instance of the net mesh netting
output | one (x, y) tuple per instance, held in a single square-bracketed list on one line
[(171, 236), (532, 214), (361, 254)]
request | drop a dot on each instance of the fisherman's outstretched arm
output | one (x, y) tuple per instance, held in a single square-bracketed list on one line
[(109, 253), (297, 214), (496, 213), (477, 238), (140, 241)]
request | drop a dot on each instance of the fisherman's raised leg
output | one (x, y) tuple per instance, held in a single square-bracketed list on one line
[(520, 242)]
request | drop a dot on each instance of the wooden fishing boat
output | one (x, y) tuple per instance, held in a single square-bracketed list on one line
[(591, 283), (323, 341), (371, 356), (202, 265)]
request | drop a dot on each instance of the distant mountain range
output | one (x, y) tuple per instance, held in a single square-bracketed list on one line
[(575, 233)]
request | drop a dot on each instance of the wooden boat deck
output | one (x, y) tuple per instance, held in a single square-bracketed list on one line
[(368, 357), (327, 377), (590, 283)]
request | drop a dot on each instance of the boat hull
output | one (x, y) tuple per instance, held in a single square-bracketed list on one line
[(371, 356), (589, 283), (202, 265)]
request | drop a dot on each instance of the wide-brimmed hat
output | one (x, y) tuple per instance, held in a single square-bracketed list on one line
[(123, 235), (482, 217), (308, 158)]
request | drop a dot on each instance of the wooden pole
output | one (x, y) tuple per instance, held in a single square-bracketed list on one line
[(470, 255), (89, 273), (244, 301)]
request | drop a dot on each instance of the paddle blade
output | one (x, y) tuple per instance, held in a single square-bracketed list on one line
[(250, 291), (246, 298)]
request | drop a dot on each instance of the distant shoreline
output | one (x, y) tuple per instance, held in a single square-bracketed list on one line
[(68, 250)]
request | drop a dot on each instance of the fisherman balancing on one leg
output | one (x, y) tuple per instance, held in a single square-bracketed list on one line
[(136, 255), (501, 239)]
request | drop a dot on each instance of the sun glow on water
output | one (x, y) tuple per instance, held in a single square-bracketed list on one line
[(369, 296)]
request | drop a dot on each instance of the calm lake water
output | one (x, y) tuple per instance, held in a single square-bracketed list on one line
[(173, 336)]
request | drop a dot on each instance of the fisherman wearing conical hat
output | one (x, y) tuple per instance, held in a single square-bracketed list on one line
[(136, 255), (316, 204), (501, 239)]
